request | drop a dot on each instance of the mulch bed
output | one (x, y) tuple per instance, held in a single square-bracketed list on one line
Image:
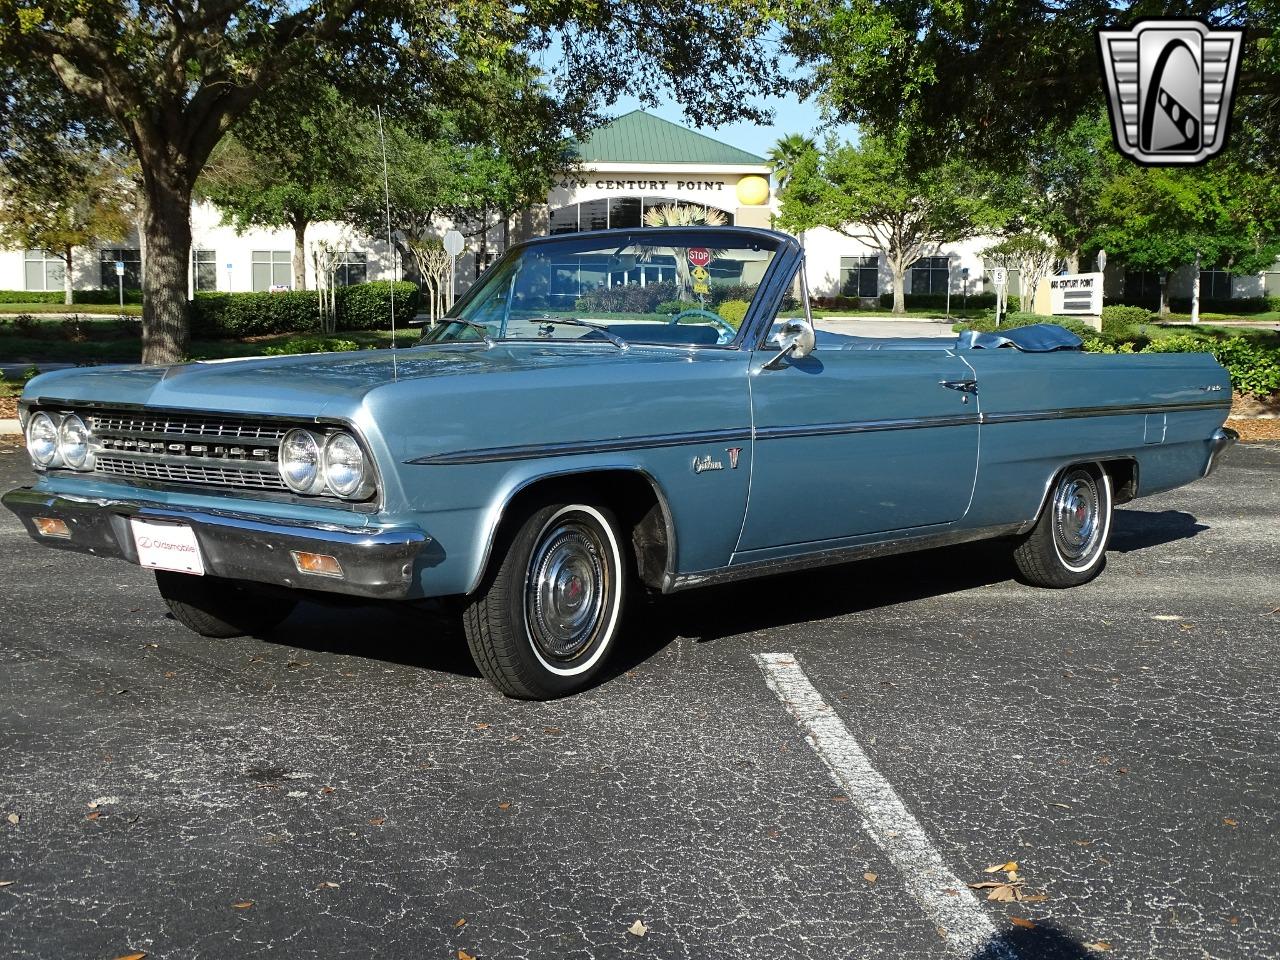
[(8, 408), (1253, 431)]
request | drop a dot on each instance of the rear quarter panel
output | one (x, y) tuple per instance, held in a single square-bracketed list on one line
[(1167, 406)]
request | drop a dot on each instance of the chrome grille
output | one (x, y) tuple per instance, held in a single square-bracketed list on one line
[(183, 473), (187, 448)]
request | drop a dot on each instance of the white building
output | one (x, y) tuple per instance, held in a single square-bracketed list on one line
[(627, 167)]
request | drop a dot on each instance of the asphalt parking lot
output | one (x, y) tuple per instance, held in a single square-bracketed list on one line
[(350, 786)]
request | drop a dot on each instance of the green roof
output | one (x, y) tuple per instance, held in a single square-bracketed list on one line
[(640, 137)]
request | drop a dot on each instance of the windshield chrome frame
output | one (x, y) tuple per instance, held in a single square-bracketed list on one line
[(787, 256)]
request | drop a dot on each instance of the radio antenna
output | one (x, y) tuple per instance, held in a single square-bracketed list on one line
[(386, 195)]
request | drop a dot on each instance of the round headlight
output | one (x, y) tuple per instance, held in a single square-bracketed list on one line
[(42, 439), (343, 465), (73, 442), (300, 461)]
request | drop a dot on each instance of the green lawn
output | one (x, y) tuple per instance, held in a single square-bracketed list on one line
[(110, 309)]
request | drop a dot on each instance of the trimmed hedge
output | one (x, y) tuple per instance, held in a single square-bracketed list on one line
[(365, 306), (733, 312), (111, 295), (938, 301), (1254, 367)]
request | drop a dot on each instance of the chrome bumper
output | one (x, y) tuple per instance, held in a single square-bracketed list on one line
[(376, 562), (1222, 439)]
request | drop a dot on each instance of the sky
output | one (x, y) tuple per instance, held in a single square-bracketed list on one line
[(790, 116)]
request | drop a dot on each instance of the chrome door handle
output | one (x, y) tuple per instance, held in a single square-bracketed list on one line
[(964, 386)]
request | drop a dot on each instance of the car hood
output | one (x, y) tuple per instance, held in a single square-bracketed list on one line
[(311, 384)]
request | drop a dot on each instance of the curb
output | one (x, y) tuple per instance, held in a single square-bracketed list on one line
[(10, 427)]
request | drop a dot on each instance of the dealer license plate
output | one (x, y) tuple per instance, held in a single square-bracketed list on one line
[(167, 546)]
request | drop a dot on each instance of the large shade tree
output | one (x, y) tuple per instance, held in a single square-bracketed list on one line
[(877, 193), (175, 75)]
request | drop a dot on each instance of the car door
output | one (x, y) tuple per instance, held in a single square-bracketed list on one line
[(858, 438)]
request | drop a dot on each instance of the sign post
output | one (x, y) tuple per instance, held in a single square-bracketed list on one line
[(1000, 277), (964, 285), (120, 281), (453, 244), (229, 287)]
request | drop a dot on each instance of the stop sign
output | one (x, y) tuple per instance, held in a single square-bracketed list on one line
[(699, 256)]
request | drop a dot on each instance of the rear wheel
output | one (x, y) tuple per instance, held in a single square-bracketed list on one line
[(1068, 545), (542, 624), (214, 607)]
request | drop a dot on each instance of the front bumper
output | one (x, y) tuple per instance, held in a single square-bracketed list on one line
[(377, 562), (1219, 443)]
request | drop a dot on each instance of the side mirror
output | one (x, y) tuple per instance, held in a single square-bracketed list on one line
[(795, 338)]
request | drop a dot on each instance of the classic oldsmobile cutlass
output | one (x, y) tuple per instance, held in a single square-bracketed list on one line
[(564, 442)]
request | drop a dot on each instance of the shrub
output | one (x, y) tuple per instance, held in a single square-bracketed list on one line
[(312, 345), (1117, 319), (1228, 305), (938, 301), (835, 303), (31, 296), (731, 291), (26, 324), (215, 315), (628, 298), (367, 306), (732, 312), (75, 328), (104, 295), (670, 307)]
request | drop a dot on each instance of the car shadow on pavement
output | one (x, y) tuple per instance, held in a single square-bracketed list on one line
[(1036, 943), (1139, 529)]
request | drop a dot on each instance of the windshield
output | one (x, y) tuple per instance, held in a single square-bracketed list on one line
[(680, 287)]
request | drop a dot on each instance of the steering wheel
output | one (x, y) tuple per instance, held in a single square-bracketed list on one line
[(713, 317)]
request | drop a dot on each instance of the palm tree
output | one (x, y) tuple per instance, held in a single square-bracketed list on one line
[(786, 153), (683, 215)]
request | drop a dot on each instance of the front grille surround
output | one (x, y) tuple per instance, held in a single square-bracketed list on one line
[(212, 452)]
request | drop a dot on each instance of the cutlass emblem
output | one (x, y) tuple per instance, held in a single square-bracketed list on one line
[(703, 464)]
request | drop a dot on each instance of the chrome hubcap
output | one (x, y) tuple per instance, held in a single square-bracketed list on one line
[(566, 590), (1077, 520)]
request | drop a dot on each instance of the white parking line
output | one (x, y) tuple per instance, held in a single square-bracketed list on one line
[(952, 907)]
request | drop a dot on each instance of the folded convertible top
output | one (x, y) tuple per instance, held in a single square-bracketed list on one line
[(1037, 338)]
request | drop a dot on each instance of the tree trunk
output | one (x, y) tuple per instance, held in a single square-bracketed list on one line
[(1195, 292), (67, 296), (167, 234), (1164, 293), (299, 254), (899, 287)]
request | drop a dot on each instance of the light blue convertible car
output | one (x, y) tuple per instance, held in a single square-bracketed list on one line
[(604, 414)]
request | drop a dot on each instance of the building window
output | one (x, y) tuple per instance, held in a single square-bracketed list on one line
[(206, 269), (132, 259), (930, 275), (1141, 285), (353, 269), (617, 212), (43, 271), (272, 269), (1215, 285), (860, 276)]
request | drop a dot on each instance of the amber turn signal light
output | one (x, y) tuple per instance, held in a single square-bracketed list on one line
[(52, 527), (318, 564)]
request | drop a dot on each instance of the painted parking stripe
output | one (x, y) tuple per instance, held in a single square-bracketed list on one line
[(952, 907)]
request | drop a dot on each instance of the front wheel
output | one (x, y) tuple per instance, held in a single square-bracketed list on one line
[(542, 624), (1068, 545)]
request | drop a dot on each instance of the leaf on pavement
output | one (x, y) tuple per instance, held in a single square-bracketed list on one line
[(461, 923), (1022, 922), (7, 883), (463, 955), (137, 955), (242, 905), (638, 929), (1230, 823), (1100, 945), (13, 818), (1035, 898), (1003, 894), (1002, 867), (505, 805), (377, 821), (481, 726), (986, 884), (329, 884), (93, 816), (870, 877)]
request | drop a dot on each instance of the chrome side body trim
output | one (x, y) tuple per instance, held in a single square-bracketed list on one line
[(862, 551), (866, 426), (1071, 413), (535, 451), (1222, 440)]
